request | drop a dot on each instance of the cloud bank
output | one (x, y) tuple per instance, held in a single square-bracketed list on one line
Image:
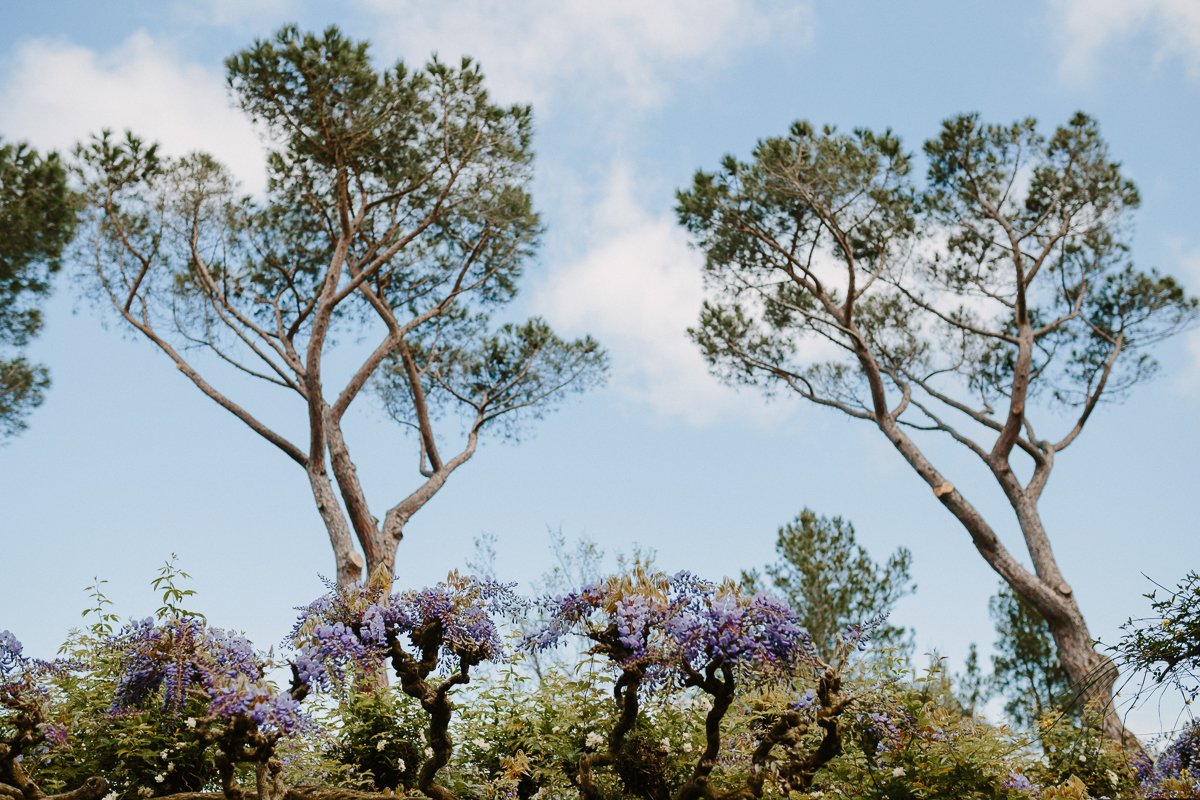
[(618, 51), (57, 94), (1090, 26)]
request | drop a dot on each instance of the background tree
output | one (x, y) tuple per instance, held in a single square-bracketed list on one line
[(37, 220), (1004, 285), (1026, 669), (396, 209), (831, 581)]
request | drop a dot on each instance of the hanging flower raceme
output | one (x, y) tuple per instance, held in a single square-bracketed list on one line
[(360, 626), (181, 657), (720, 624)]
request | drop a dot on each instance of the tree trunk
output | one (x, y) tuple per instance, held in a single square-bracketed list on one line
[(349, 562), (1092, 674)]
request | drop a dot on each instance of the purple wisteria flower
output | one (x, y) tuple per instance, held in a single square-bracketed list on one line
[(1179, 762), (670, 625), (362, 625), (449, 627), (169, 662), (11, 658)]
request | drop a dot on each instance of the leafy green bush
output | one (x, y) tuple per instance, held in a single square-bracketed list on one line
[(906, 739), (380, 734), (1072, 748)]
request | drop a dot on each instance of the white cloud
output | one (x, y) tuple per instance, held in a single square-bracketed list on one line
[(623, 50), (1088, 26), (57, 94), (637, 289)]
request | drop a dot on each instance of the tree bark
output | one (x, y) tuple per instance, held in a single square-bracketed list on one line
[(349, 562), (1092, 674)]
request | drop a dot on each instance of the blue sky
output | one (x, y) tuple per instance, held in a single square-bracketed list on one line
[(127, 463)]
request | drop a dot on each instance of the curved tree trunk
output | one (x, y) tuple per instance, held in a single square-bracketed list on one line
[(1092, 674)]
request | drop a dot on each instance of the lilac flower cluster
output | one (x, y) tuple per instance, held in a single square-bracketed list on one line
[(360, 625), (271, 711), (726, 626), (11, 659), (1180, 761), (681, 622), (23, 695), (183, 657), (634, 607), (858, 635), (16, 670), (155, 659), (884, 729), (1018, 781)]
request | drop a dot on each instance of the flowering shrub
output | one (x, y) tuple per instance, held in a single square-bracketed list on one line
[(1175, 772), (162, 665), (1080, 750), (905, 740), (682, 633), (27, 726), (380, 734), (447, 629), (524, 736), (689, 691)]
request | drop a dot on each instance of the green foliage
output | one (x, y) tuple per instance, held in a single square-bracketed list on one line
[(22, 388), (1167, 644), (1026, 667), (521, 735), (909, 740), (1075, 747), (832, 582), (173, 595), (37, 219), (380, 734)]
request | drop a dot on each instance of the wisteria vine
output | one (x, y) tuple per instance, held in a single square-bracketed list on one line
[(683, 632), (446, 629)]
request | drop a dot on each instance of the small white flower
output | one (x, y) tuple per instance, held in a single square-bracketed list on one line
[(145, 791), (687, 747), (593, 740), (110, 796), (555, 729), (165, 753), (1083, 759), (159, 778), (666, 743), (898, 772), (190, 722), (382, 744), (400, 765), (1112, 777), (481, 744), (170, 766), (429, 752)]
